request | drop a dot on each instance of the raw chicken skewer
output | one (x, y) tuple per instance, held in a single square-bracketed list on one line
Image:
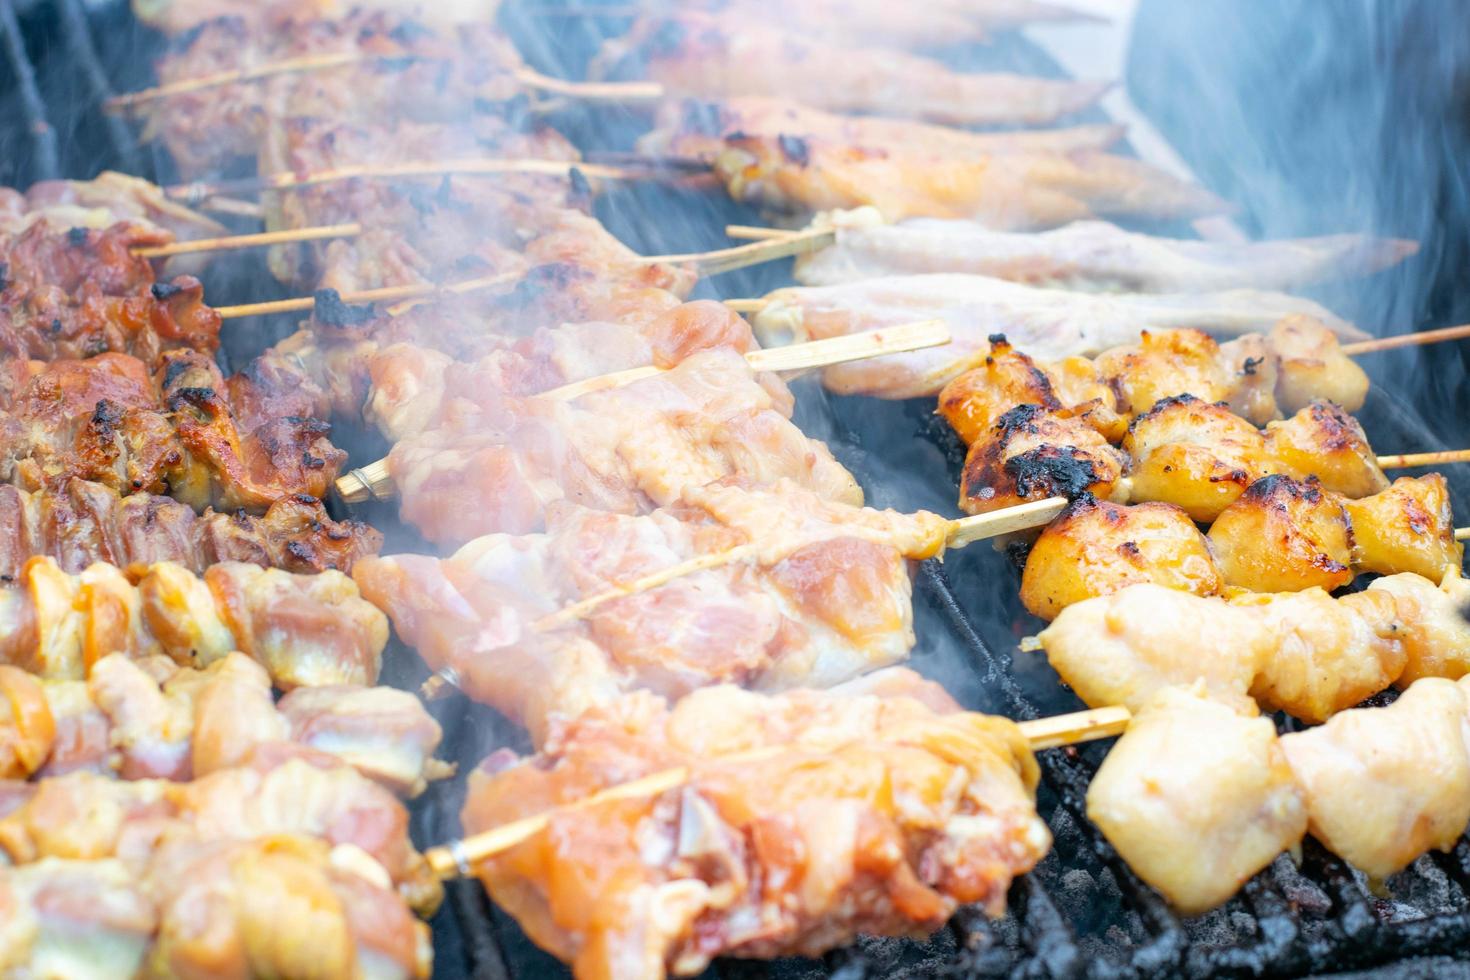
[(711, 58), (706, 391), (1305, 653), (774, 587), (1049, 324), (152, 719), (1197, 798), (726, 765), (1086, 255)]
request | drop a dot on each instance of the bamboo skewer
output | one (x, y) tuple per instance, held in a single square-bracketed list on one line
[(740, 256), (388, 293), (230, 243), (1406, 340), (1462, 534), (461, 856), (375, 482), (1405, 461), (196, 193), (590, 91)]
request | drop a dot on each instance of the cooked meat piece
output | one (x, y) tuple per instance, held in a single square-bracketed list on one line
[(1163, 364), (27, 726), (81, 918), (1195, 455), (1284, 535), (1097, 548), (1310, 366), (826, 597), (1302, 652), (102, 202), (277, 792), (1090, 256), (1433, 628), (784, 840), (1048, 324), (1324, 441), (1033, 454), (686, 127), (708, 57), (973, 402), (1384, 785), (80, 523), (1408, 527), (627, 450), (306, 630), (1197, 798)]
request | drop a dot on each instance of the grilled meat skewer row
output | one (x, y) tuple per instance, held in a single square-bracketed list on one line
[(1281, 535), (1197, 797), (1305, 652), (808, 776), (306, 630), (152, 719), (1091, 256)]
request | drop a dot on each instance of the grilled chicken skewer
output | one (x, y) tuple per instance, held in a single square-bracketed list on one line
[(1049, 324), (1305, 653), (1086, 256), (306, 630), (152, 719), (278, 905), (1197, 798), (809, 775), (1281, 535), (790, 158), (773, 587), (710, 57)]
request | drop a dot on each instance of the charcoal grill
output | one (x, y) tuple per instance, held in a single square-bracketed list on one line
[(1081, 913)]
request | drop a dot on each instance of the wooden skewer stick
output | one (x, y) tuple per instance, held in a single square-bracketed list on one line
[(591, 91), (200, 191), (754, 233), (1462, 534), (1404, 461), (1406, 340), (794, 357), (375, 482), (386, 294), (747, 305), (229, 243), (740, 256), (460, 857)]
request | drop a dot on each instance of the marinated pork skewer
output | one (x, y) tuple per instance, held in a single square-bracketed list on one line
[(736, 765), (1049, 324), (708, 57), (152, 719), (772, 587), (1281, 535), (1305, 652), (274, 906), (1087, 256), (306, 630), (620, 441)]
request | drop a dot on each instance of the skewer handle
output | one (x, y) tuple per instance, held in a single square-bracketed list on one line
[(1404, 461), (1037, 513), (591, 91), (754, 233), (1407, 340), (747, 305), (230, 243), (460, 857), (741, 256), (1462, 534)]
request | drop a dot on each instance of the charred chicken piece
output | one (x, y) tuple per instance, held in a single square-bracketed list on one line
[(306, 630), (1194, 454), (279, 790), (1097, 548), (1284, 535), (701, 56), (1324, 441), (826, 597), (151, 719), (1089, 256), (626, 450), (1197, 798), (1033, 454), (784, 840)]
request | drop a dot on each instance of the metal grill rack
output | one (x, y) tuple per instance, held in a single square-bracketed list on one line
[(1081, 913)]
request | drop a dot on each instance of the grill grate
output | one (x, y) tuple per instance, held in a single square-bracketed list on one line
[(1285, 922)]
